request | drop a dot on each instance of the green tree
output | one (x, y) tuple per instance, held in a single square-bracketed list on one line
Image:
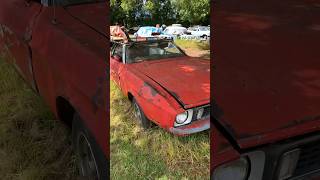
[(161, 11), (125, 12), (193, 11), (150, 12)]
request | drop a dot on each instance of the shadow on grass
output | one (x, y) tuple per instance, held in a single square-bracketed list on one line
[(153, 153), (33, 145)]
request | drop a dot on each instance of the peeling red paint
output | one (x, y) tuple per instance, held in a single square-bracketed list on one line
[(68, 58)]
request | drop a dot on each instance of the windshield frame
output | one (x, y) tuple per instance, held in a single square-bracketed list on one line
[(183, 54)]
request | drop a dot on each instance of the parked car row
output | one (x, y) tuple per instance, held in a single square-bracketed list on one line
[(174, 31)]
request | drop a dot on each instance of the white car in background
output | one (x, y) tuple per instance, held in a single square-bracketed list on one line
[(200, 31), (175, 31)]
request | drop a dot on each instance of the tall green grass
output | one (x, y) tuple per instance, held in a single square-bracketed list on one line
[(154, 153), (33, 145)]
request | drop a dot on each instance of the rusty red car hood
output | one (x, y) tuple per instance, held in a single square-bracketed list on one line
[(94, 15), (267, 75), (187, 79)]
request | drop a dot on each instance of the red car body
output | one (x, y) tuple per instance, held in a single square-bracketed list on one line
[(61, 52), (266, 86), (164, 88)]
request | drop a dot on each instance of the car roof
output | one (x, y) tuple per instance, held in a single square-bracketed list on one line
[(175, 27)]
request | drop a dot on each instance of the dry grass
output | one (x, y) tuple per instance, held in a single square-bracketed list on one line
[(33, 145), (153, 154), (195, 48)]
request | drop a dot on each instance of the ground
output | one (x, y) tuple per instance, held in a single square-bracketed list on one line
[(195, 48), (33, 145), (155, 153)]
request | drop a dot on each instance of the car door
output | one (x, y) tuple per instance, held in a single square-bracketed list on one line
[(70, 64), (17, 18), (116, 63)]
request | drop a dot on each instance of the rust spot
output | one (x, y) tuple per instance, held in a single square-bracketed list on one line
[(154, 92), (97, 98)]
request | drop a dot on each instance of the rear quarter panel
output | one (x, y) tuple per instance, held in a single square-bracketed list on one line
[(70, 61)]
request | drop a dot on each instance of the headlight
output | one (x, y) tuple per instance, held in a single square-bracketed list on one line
[(184, 118), (236, 170), (181, 118)]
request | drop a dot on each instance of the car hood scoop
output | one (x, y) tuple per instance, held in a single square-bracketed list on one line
[(94, 15), (186, 79)]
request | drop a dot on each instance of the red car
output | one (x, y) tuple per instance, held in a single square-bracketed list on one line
[(266, 90), (60, 50), (165, 86)]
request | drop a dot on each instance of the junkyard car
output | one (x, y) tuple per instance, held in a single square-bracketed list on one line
[(60, 50), (200, 31), (266, 122), (175, 31), (165, 86), (148, 31)]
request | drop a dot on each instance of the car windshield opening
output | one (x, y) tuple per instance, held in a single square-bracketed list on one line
[(149, 51)]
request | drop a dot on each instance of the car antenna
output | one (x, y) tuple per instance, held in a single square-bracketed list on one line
[(54, 20)]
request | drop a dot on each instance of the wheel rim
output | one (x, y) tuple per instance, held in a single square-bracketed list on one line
[(137, 111), (88, 165)]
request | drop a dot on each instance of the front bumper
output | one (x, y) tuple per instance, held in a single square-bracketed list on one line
[(194, 127)]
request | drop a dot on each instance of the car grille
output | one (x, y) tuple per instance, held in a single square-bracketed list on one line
[(205, 113), (309, 159)]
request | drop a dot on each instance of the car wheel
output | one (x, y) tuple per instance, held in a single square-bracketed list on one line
[(91, 161), (139, 114)]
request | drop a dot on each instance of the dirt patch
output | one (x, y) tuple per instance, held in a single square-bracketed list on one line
[(197, 53)]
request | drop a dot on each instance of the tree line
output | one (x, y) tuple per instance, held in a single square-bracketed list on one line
[(150, 12)]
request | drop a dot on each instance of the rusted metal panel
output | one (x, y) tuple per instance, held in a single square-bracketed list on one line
[(70, 61), (69, 57), (17, 30), (266, 79), (267, 69), (186, 79)]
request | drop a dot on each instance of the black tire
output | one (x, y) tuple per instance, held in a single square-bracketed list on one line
[(143, 120), (91, 161)]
